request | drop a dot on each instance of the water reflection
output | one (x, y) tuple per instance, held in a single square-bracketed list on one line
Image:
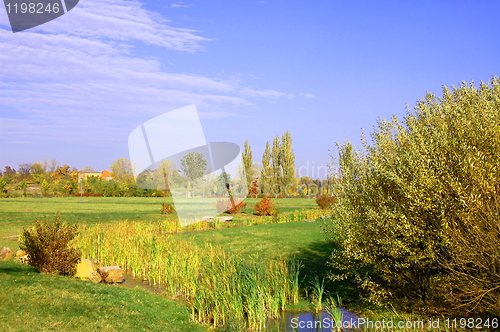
[(308, 322), (289, 321)]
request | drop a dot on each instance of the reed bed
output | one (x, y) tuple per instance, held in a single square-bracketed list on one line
[(223, 289)]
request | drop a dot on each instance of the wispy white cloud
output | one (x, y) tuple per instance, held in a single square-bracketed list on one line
[(179, 5), (307, 95), (77, 78)]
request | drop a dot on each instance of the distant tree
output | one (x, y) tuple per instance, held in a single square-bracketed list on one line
[(248, 164), (223, 180), (87, 169), (24, 171), (266, 172), (193, 165), (123, 171), (9, 171), (50, 166), (22, 185), (287, 161), (37, 172), (164, 174), (278, 165), (61, 173), (44, 187), (277, 171)]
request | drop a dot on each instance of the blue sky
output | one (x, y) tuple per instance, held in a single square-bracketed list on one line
[(74, 88)]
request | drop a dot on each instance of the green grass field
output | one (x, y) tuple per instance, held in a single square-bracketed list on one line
[(31, 301), (19, 213), (78, 303)]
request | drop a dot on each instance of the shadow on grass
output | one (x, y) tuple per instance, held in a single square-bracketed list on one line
[(315, 267), (13, 268)]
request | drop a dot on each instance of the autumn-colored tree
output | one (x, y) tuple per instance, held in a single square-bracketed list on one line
[(123, 171), (254, 189)]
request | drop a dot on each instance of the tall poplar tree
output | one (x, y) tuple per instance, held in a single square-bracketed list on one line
[(287, 161), (248, 164), (275, 181), (278, 166), (266, 169)]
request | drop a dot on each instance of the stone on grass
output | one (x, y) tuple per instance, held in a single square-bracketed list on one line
[(6, 253), (224, 219), (21, 256), (207, 219), (111, 274), (310, 220), (86, 270)]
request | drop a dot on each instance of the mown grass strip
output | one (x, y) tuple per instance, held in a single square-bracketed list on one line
[(31, 301)]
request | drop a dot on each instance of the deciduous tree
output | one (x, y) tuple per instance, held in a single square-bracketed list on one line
[(248, 164), (123, 171)]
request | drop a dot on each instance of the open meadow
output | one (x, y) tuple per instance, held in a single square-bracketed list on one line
[(265, 249)]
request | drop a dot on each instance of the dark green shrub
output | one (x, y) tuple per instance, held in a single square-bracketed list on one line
[(47, 245)]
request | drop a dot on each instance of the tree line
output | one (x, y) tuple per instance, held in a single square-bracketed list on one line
[(275, 176)]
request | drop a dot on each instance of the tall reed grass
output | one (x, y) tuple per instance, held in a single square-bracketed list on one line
[(223, 289)]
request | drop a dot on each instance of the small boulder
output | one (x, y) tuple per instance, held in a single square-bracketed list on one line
[(21, 256), (112, 274), (310, 220), (6, 253), (86, 270), (207, 219), (225, 218)]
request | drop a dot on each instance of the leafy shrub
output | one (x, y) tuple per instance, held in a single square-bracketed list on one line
[(265, 207), (225, 205), (47, 245), (417, 213), (325, 202), (167, 208)]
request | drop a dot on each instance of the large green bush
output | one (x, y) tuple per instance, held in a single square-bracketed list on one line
[(48, 246), (417, 216)]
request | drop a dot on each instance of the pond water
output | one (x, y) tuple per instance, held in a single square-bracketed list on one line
[(309, 322), (289, 321), (131, 282)]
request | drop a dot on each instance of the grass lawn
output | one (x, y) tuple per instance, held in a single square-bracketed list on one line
[(18, 213), (36, 302), (270, 241)]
